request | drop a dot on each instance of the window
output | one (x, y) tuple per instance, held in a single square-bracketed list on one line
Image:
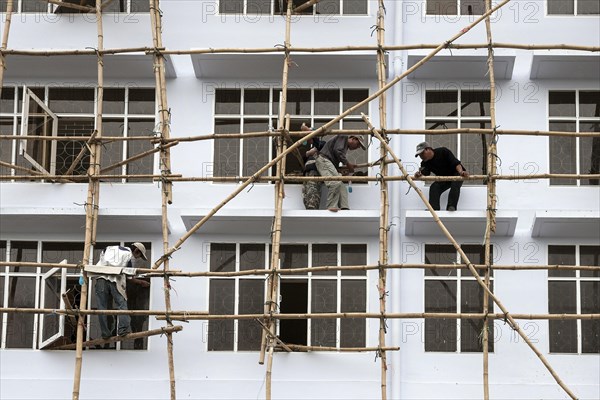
[(460, 109), (317, 292), (573, 7), (256, 110), (60, 111), (42, 6), (455, 7), (574, 292), (574, 111), (54, 288), (454, 291), (270, 7)]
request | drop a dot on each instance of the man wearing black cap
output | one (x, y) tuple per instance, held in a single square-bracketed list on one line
[(113, 286), (441, 162), (330, 157)]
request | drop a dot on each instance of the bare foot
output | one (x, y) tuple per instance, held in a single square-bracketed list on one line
[(334, 209)]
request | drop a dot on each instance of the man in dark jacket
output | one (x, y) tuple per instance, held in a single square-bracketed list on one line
[(329, 159), (441, 162)]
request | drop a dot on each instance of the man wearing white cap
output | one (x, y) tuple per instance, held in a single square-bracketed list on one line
[(442, 162), (113, 286)]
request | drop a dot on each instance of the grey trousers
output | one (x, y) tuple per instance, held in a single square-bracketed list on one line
[(337, 193)]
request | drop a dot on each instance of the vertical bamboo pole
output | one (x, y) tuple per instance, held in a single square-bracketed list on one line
[(93, 197), (507, 316), (384, 200), (279, 190), (5, 31), (491, 202), (165, 165), (272, 297)]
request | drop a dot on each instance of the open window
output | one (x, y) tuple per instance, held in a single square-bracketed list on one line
[(52, 325), (38, 120)]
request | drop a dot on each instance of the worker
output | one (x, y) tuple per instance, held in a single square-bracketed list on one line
[(332, 156), (442, 162), (113, 286), (311, 190)]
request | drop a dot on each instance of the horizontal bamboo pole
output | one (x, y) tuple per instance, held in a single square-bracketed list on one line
[(294, 271), (190, 316), (85, 178), (237, 50), (298, 134), (204, 315), (131, 336), (26, 264), (297, 347)]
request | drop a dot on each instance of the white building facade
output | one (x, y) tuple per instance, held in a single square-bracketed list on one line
[(540, 222)]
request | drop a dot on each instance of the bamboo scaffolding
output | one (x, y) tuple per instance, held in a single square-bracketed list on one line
[(165, 164), (92, 202), (148, 272), (205, 316), (298, 134), (130, 336), (490, 226), (383, 197), (320, 130), (84, 149), (238, 50), (464, 257), (4, 43)]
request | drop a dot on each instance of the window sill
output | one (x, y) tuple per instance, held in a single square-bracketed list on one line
[(563, 223), (462, 223)]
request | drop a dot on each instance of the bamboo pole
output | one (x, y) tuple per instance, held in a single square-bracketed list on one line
[(22, 169), (464, 257), (148, 272), (236, 50), (165, 164), (4, 43), (491, 202), (91, 209), (193, 315), (273, 288), (84, 149), (297, 134), (297, 347), (131, 336), (383, 196), (321, 130), (304, 6), (294, 178)]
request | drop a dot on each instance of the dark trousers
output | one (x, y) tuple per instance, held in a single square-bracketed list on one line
[(436, 190)]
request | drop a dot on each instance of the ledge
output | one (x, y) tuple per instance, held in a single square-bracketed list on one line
[(461, 67), (301, 222), (568, 65), (346, 65), (72, 220), (567, 224), (117, 66), (459, 223)]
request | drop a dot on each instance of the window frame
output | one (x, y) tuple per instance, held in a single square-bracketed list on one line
[(314, 14), (272, 118), (458, 14), (458, 278), (309, 277), (577, 279), (125, 117), (52, 8), (577, 120), (459, 120), (575, 14)]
